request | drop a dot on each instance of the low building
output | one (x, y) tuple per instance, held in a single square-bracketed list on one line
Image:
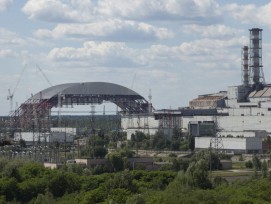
[(238, 145), (226, 164), (32, 138)]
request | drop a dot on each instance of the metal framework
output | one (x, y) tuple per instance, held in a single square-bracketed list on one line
[(256, 67), (35, 113)]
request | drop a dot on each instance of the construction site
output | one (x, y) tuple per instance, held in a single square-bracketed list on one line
[(238, 118)]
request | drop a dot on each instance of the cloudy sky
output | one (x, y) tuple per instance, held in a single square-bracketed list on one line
[(177, 48)]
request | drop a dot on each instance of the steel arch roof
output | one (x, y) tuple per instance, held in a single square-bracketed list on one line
[(86, 88), (39, 106)]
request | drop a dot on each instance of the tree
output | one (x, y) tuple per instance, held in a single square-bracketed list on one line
[(256, 163), (118, 195), (8, 187), (97, 195), (210, 157), (100, 152), (197, 173), (30, 188), (123, 180), (218, 181), (249, 164), (46, 198), (135, 199), (116, 161), (60, 183), (264, 169)]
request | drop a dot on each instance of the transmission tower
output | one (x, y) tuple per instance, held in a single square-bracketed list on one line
[(216, 142)]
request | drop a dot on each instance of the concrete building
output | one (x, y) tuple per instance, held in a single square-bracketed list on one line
[(57, 135), (241, 115), (245, 145)]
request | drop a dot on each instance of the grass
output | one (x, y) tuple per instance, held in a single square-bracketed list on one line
[(238, 165), (232, 173)]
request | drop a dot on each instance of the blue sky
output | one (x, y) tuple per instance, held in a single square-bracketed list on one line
[(177, 48)]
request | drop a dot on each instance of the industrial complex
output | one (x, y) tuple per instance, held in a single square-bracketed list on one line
[(238, 118)]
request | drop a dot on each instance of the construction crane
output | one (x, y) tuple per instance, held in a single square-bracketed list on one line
[(43, 74), (11, 93)]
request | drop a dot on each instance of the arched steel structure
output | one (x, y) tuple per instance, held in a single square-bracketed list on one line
[(36, 111)]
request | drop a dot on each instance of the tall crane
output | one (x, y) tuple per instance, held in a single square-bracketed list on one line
[(11, 93), (43, 74)]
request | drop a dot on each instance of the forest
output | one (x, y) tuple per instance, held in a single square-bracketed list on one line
[(183, 181)]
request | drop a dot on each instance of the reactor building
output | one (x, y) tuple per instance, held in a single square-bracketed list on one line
[(241, 115)]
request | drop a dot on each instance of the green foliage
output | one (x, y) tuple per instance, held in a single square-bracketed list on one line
[(135, 199), (95, 148), (11, 168), (30, 188), (256, 163), (218, 181), (31, 170), (264, 169), (8, 188), (46, 198), (197, 174), (75, 168), (118, 195), (249, 164), (34, 184), (123, 180), (97, 195), (116, 161), (60, 183), (180, 164), (126, 153), (100, 152), (212, 159), (160, 142)]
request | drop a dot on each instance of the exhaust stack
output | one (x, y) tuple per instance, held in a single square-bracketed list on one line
[(245, 66), (256, 71)]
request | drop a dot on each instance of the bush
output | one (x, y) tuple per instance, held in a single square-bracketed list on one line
[(249, 164)]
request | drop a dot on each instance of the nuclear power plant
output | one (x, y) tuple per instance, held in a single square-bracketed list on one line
[(241, 114), (238, 118)]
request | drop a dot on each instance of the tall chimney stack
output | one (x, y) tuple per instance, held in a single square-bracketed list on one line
[(245, 66), (256, 56)]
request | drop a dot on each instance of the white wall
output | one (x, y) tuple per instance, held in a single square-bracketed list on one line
[(64, 129), (138, 121), (245, 144)]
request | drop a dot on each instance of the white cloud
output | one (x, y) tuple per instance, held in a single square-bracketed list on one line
[(95, 54), (250, 13), (114, 29), (4, 4), (188, 10), (10, 39), (109, 54), (212, 31), (89, 10), (6, 53), (58, 11)]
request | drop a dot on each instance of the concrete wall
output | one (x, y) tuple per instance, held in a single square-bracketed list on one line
[(69, 130), (234, 144), (130, 122), (234, 123), (29, 137)]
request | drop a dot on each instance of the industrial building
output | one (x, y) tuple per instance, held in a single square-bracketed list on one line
[(241, 114), (60, 135)]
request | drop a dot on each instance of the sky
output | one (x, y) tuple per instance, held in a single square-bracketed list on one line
[(178, 49)]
